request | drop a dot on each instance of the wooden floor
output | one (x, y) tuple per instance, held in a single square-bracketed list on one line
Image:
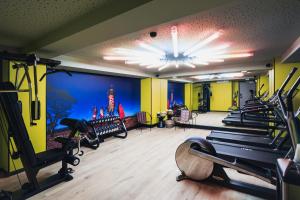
[(214, 119), (140, 167), (211, 119)]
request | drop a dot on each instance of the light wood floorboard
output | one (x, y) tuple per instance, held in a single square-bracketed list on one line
[(141, 167)]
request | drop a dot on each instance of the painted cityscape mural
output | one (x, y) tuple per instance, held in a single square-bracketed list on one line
[(89, 96), (175, 93)]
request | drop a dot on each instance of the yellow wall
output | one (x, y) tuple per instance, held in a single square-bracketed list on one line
[(262, 79), (235, 88), (281, 72), (222, 91), (155, 99), (188, 100), (221, 98), (271, 82), (163, 95), (154, 96), (159, 97), (146, 96)]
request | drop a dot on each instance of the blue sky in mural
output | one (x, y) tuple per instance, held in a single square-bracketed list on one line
[(76, 96), (178, 92)]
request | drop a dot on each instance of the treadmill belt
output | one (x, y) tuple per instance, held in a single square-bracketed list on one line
[(233, 132), (255, 119), (248, 139), (248, 123), (248, 153)]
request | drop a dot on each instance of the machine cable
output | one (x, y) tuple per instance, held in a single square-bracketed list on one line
[(4, 194)]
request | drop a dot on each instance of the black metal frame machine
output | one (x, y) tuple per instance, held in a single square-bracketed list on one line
[(272, 140), (259, 114), (199, 159), (12, 121), (14, 131)]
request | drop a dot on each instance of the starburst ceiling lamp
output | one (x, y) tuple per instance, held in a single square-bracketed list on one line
[(199, 54)]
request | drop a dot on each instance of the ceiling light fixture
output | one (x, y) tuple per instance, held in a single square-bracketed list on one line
[(174, 41), (202, 53), (219, 76)]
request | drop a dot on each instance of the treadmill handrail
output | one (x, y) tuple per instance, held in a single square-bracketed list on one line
[(286, 81), (290, 95), (292, 120), (279, 93), (259, 90)]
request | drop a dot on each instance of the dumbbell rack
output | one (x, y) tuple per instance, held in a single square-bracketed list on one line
[(108, 126)]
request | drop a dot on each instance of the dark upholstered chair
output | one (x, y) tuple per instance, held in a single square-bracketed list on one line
[(142, 120)]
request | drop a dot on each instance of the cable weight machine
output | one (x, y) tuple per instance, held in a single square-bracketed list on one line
[(25, 62)]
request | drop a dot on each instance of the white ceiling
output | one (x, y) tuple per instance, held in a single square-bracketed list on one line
[(265, 27), (29, 25), (23, 21), (80, 32)]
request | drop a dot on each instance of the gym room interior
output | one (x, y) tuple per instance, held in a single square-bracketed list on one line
[(150, 99)]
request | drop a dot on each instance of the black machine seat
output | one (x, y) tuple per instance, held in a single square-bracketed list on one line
[(81, 126), (49, 157)]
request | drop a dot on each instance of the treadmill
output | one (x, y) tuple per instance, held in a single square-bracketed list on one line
[(268, 141), (199, 159), (260, 122), (260, 156), (247, 123), (277, 142), (272, 140)]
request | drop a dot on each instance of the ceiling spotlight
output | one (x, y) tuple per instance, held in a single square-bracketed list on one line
[(202, 53), (153, 34)]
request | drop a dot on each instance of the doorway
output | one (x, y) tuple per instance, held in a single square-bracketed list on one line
[(247, 91)]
